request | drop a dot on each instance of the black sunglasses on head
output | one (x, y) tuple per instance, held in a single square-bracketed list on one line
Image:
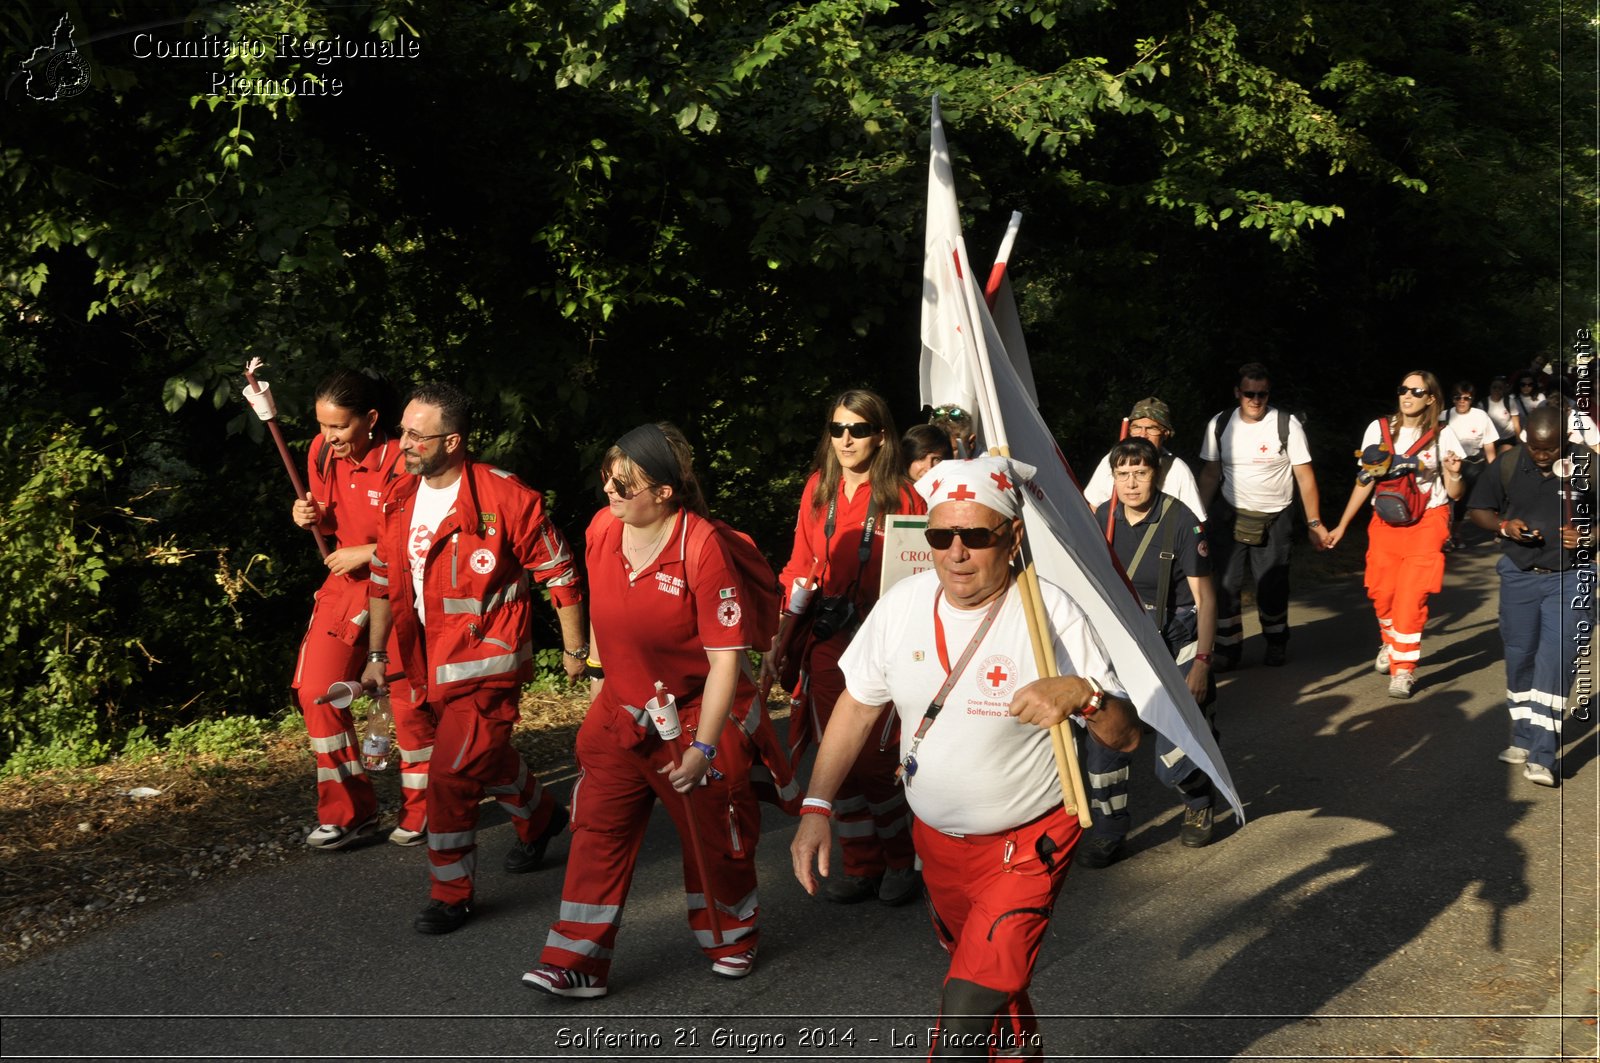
[(857, 429), (971, 538)]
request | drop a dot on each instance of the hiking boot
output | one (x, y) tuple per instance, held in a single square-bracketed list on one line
[(330, 836), (1380, 663), (401, 836), (1277, 654), (1196, 827), (523, 857), (899, 885), (735, 966), (441, 918), (565, 982), (1513, 755), (1538, 773), (852, 889), (1400, 684), (1097, 850)]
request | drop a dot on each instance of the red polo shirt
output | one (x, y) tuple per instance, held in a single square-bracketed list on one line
[(659, 625), (349, 492)]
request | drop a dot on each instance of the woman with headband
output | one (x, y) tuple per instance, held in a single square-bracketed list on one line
[(858, 480), (665, 610)]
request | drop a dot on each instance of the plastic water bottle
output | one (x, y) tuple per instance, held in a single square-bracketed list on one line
[(375, 747)]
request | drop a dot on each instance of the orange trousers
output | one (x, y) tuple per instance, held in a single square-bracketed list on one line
[(1404, 566)]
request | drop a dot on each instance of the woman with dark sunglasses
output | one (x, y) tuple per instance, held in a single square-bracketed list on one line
[(857, 481), (1405, 559)]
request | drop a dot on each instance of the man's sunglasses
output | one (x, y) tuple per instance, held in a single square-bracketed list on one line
[(1257, 396), (1458, 398), (971, 538), (1415, 393), (857, 429)]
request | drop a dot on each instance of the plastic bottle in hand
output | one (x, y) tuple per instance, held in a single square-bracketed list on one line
[(376, 745)]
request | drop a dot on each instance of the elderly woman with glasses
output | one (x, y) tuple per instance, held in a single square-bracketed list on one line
[(664, 609), (858, 481), (1161, 546), (350, 463), (1411, 469)]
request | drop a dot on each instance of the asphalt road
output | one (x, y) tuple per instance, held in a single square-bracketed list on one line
[(1397, 892)]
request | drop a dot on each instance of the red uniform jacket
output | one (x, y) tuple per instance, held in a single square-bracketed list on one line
[(475, 583)]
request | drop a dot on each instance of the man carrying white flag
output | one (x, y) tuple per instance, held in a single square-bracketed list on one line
[(962, 347)]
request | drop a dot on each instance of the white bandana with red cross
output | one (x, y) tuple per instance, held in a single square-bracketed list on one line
[(991, 481)]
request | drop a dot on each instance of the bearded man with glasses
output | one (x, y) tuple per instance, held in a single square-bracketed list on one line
[(1258, 456), (951, 649), (459, 545)]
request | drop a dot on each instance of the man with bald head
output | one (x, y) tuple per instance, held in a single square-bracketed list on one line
[(951, 649), (1540, 507)]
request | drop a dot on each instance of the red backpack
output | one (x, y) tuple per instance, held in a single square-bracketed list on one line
[(1398, 499), (758, 585)]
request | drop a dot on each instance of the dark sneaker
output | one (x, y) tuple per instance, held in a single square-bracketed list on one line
[(1277, 654), (1196, 827), (899, 885), (441, 918), (565, 982), (852, 889), (330, 836), (1097, 850), (523, 857)]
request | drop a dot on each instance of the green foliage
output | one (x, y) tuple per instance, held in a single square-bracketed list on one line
[(228, 736), (709, 211)]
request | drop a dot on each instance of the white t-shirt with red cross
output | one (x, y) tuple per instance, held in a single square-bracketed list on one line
[(1474, 428), (979, 771), (433, 505), (1257, 464)]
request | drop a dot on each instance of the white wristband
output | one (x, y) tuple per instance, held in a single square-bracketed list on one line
[(817, 802)]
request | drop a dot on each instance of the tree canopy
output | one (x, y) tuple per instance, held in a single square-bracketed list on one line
[(592, 214)]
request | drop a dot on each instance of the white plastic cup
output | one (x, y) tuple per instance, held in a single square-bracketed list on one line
[(259, 396), (799, 596), (342, 693), (664, 714)]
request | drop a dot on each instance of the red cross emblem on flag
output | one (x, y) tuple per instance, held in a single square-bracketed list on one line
[(1263, 448), (1001, 480), (962, 494)]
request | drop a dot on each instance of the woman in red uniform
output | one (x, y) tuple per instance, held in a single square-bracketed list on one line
[(664, 607), (1405, 562), (857, 482), (350, 462)]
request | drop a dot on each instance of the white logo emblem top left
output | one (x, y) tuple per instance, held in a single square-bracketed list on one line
[(482, 561)]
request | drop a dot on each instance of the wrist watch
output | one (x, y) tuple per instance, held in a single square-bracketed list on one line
[(1313, 524), (709, 751)]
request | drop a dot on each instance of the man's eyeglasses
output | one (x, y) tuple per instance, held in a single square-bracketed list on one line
[(1415, 393), (417, 437), (857, 429), (1255, 396), (971, 538)]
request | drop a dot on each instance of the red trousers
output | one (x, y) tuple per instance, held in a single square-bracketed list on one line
[(991, 897), (1404, 566), (473, 757), (334, 649), (870, 815), (610, 809)]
